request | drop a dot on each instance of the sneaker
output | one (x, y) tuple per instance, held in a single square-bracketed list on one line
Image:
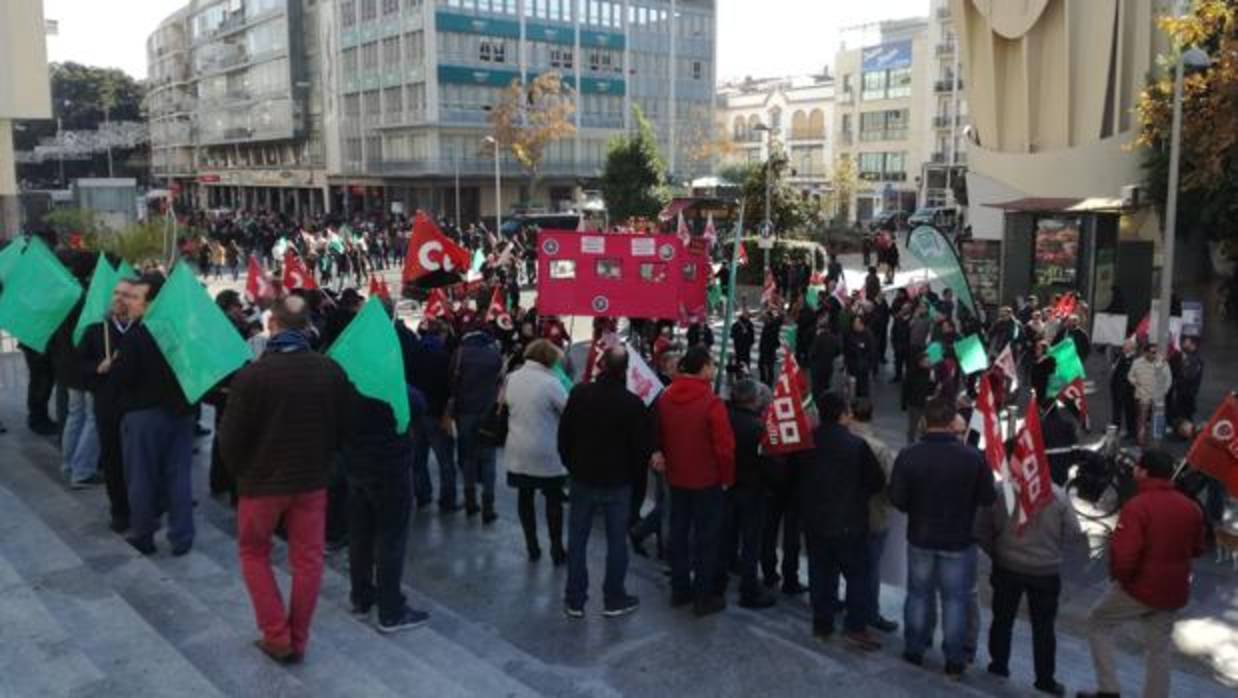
[(757, 600), (622, 607), (709, 606), (1053, 688), (862, 641), (574, 612), (85, 484), (883, 624), (407, 621)]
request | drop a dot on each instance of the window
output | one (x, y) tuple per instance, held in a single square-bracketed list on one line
[(390, 7), (561, 58), (492, 51), (369, 57), (696, 70), (348, 62), (653, 272), (369, 10), (372, 103), (391, 53), (414, 48), (393, 101), (898, 83), (609, 269), (874, 85), (775, 118), (563, 269), (348, 13), (871, 163)]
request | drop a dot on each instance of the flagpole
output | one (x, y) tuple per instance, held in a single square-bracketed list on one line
[(730, 299)]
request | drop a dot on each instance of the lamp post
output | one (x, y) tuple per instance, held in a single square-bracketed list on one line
[(498, 187), (1194, 58), (769, 157)]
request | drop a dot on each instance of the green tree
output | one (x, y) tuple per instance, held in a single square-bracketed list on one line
[(80, 93), (787, 209), (1209, 166), (634, 178)]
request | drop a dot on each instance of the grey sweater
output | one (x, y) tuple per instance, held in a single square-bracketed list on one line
[(1038, 549)]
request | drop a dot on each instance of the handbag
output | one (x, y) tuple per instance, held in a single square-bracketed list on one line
[(493, 428)]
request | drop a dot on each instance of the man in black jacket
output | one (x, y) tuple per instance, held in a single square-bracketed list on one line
[(605, 435), (744, 513), (825, 349), (771, 340), (939, 483), (744, 335), (836, 485), (156, 431), (431, 375)]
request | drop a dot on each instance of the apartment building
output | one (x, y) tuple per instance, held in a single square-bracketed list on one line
[(880, 97), (946, 111), (796, 110), (384, 104)]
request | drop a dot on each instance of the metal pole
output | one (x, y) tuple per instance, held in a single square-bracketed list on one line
[(498, 191), (455, 158), (107, 120), (730, 298), (1171, 214), (769, 158), (60, 149)]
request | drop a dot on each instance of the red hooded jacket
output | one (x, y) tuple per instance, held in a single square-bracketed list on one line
[(695, 435), (1159, 532)]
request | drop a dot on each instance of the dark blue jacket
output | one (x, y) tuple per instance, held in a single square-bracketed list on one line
[(475, 374), (836, 483), (375, 445), (431, 373), (939, 483)]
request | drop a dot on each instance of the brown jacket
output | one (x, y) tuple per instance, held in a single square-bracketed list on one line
[(287, 415)]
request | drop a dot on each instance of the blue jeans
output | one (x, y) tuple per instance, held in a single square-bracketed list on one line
[(828, 558), (742, 528), (158, 452), (696, 529), (585, 501), (477, 461), (952, 574), (876, 547), (428, 433), (79, 444)]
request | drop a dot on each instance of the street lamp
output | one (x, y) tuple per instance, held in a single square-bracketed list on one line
[(498, 190), (1198, 59), (769, 157)]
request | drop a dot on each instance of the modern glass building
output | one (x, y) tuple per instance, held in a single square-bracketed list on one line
[(384, 104)]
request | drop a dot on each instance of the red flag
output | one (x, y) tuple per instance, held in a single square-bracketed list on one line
[(497, 306), (1029, 467), (433, 254), (76, 242), (1074, 396), (1066, 306), (771, 289), (257, 285), (994, 447), (378, 287), (1215, 450), (295, 273), (436, 304), (741, 256), (787, 429)]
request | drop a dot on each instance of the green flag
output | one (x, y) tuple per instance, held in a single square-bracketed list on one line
[(813, 297), (195, 336), (932, 250), (479, 260), (38, 295), (98, 298), (559, 373), (715, 296), (1069, 367), (788, 336), (369, 352), (971, 353), (124, 271), (9, 256), (935, 352)]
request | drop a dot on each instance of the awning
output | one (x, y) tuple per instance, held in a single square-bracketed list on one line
[(1061, 205)]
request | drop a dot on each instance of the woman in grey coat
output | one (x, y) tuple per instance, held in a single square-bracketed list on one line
[(535, 398)]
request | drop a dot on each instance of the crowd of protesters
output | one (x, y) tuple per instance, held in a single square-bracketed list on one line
[(301, 453)]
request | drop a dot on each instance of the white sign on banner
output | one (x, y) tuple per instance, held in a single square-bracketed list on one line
[(644, 247), (1109, 329), (592, 244)]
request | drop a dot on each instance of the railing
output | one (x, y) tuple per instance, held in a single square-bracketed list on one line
[(889, 134), (474, 167), (883, 176), (945, 49), (944, 121), (945, 85)]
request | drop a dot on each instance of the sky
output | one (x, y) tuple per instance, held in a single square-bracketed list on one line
[(755, 37)]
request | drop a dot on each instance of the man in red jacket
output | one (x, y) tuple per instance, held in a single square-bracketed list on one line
[(698, 456), (1159, 531)]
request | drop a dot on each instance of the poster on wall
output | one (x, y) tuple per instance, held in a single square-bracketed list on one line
[(1057, 252), (982, 265), (1106, 278)]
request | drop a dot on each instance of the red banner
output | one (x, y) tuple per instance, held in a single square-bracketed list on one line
[(1073, 395), (787, 428), (432, 252), (1215, 450), (994, 448), (1029, 467), (295, 273), (378, 287), (257, 285)]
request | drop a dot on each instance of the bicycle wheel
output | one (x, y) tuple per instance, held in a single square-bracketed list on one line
[(1105, 504)]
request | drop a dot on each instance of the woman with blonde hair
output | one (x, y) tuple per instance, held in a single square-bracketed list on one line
[(535, 397)]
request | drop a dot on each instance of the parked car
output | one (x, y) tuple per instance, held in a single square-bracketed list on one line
[(892, 221), (942, 218)]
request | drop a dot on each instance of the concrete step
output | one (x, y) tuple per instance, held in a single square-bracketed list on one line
[(130, 655)]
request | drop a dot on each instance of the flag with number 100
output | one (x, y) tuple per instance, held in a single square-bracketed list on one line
[(787, 427)]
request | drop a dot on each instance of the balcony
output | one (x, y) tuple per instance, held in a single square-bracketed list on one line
[(944, 121), (946, 86), (945, 49), (889, 134), (883, 176), (943, 12), (846, 96)]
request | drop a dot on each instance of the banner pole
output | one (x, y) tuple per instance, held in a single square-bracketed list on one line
[(730, 298)]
